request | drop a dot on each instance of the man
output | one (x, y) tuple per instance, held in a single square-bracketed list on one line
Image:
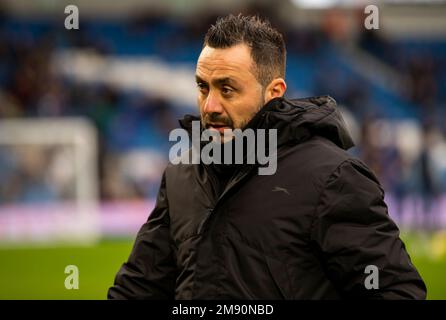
[(315, 229)]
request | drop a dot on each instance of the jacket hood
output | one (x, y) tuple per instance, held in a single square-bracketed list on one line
[(297, 120)]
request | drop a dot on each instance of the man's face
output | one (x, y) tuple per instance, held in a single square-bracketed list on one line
[(229, 94)]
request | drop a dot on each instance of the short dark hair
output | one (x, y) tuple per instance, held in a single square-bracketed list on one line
[(267, 45)]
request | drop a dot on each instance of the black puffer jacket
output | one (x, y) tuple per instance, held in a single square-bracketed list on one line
[(306, 232)]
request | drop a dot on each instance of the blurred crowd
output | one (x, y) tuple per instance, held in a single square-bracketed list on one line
[(133, 126)]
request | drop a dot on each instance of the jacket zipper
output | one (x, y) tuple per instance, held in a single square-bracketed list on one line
[(243, 173), (232, 183)]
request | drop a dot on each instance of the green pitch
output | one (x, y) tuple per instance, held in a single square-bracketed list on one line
[(39, 273)]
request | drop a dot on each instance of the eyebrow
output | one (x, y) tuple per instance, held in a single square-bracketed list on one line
[(217, 82)]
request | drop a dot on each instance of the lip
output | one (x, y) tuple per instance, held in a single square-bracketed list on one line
[(219, 127)]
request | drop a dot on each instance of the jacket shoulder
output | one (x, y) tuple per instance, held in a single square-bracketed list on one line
[(315, 160), (316, 154)]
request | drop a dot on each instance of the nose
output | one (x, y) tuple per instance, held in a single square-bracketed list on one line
[(212, 104)]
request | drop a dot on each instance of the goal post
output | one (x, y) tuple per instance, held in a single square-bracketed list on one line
[(49, 192)]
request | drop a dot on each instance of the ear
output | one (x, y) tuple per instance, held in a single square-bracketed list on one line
[(275, 89)]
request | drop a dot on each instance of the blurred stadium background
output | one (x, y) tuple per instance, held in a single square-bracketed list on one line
[(85, 116)]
